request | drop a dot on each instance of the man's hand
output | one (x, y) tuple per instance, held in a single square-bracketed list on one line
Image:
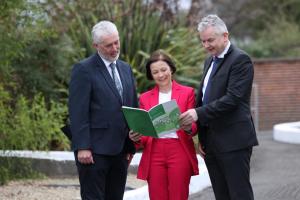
[(201, 151), (85, 157), (187, 118), (129, 157)]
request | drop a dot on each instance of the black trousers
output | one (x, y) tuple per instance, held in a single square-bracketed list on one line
[(230, 173), (103, 180)]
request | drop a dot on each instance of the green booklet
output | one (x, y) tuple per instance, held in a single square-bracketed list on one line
[(159, 120)]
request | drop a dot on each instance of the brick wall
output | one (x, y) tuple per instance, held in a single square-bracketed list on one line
[(276, 92)]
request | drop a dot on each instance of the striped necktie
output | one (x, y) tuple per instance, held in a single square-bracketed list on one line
[(116, 79)]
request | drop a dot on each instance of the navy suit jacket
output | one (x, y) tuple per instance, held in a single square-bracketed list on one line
[(227, 116), (96, 119)]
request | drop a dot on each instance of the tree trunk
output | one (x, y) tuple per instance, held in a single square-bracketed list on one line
[(199, 9)]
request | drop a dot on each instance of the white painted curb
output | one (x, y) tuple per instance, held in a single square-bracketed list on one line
[(287, 132), (197, 183)]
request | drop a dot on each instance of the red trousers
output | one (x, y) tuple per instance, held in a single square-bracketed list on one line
[(170, 171)]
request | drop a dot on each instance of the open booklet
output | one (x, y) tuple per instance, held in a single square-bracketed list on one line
[(159, 120)]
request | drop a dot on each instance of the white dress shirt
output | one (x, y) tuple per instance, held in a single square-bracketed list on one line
[(210, 68)]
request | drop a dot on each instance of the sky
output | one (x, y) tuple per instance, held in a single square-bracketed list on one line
[(185, 4)]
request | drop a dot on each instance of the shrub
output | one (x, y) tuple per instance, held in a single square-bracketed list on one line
[(31, 124), (12, 168)]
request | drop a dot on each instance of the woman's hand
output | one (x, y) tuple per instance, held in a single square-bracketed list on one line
[(134, 136)]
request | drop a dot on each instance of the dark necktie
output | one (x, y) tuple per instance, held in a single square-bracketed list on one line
[(116, 80), (216, 61)]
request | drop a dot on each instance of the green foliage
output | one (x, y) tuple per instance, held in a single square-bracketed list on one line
[(12, 168), (274, 28), (34, 56), (45, 65), (42, 40), (147, 32), (5, 115), (288, 9), (185, 48), (142, 30), (31, 125), (279, 39), (10, 45)]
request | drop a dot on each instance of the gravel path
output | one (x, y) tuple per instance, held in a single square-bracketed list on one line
[(51, 189), (46, 189)]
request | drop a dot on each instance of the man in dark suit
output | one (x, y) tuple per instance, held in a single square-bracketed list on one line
[(99, 86), (226, 129)]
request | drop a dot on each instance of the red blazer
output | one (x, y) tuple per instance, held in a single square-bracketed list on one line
[(185, 98)]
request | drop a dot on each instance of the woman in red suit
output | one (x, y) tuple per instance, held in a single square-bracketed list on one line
[(167, 163)]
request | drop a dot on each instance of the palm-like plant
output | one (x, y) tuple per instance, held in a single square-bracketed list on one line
[(142, 30)]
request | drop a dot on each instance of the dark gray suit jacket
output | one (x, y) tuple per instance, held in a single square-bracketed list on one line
[(227, 115), (96, 119)]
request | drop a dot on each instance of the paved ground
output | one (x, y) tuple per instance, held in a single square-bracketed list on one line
[(275, 171), (275, 175)]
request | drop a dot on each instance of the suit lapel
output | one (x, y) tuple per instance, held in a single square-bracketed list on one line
[(206, 67), (175, 92), (105, 74), (220, 64), (154, 96), (153, 100)]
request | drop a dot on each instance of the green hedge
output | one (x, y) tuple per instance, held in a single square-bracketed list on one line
[(12, 168), (31, 124)]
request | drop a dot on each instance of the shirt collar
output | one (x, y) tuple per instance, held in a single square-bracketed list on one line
[(225, 50), (106, 62)]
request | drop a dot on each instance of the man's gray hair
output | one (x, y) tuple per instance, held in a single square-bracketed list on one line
[(103, 28), (214, 21)]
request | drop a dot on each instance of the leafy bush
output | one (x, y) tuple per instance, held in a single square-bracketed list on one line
[(31, 124), (12, 168), (280, 38), (142, 29), (33, 101)]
